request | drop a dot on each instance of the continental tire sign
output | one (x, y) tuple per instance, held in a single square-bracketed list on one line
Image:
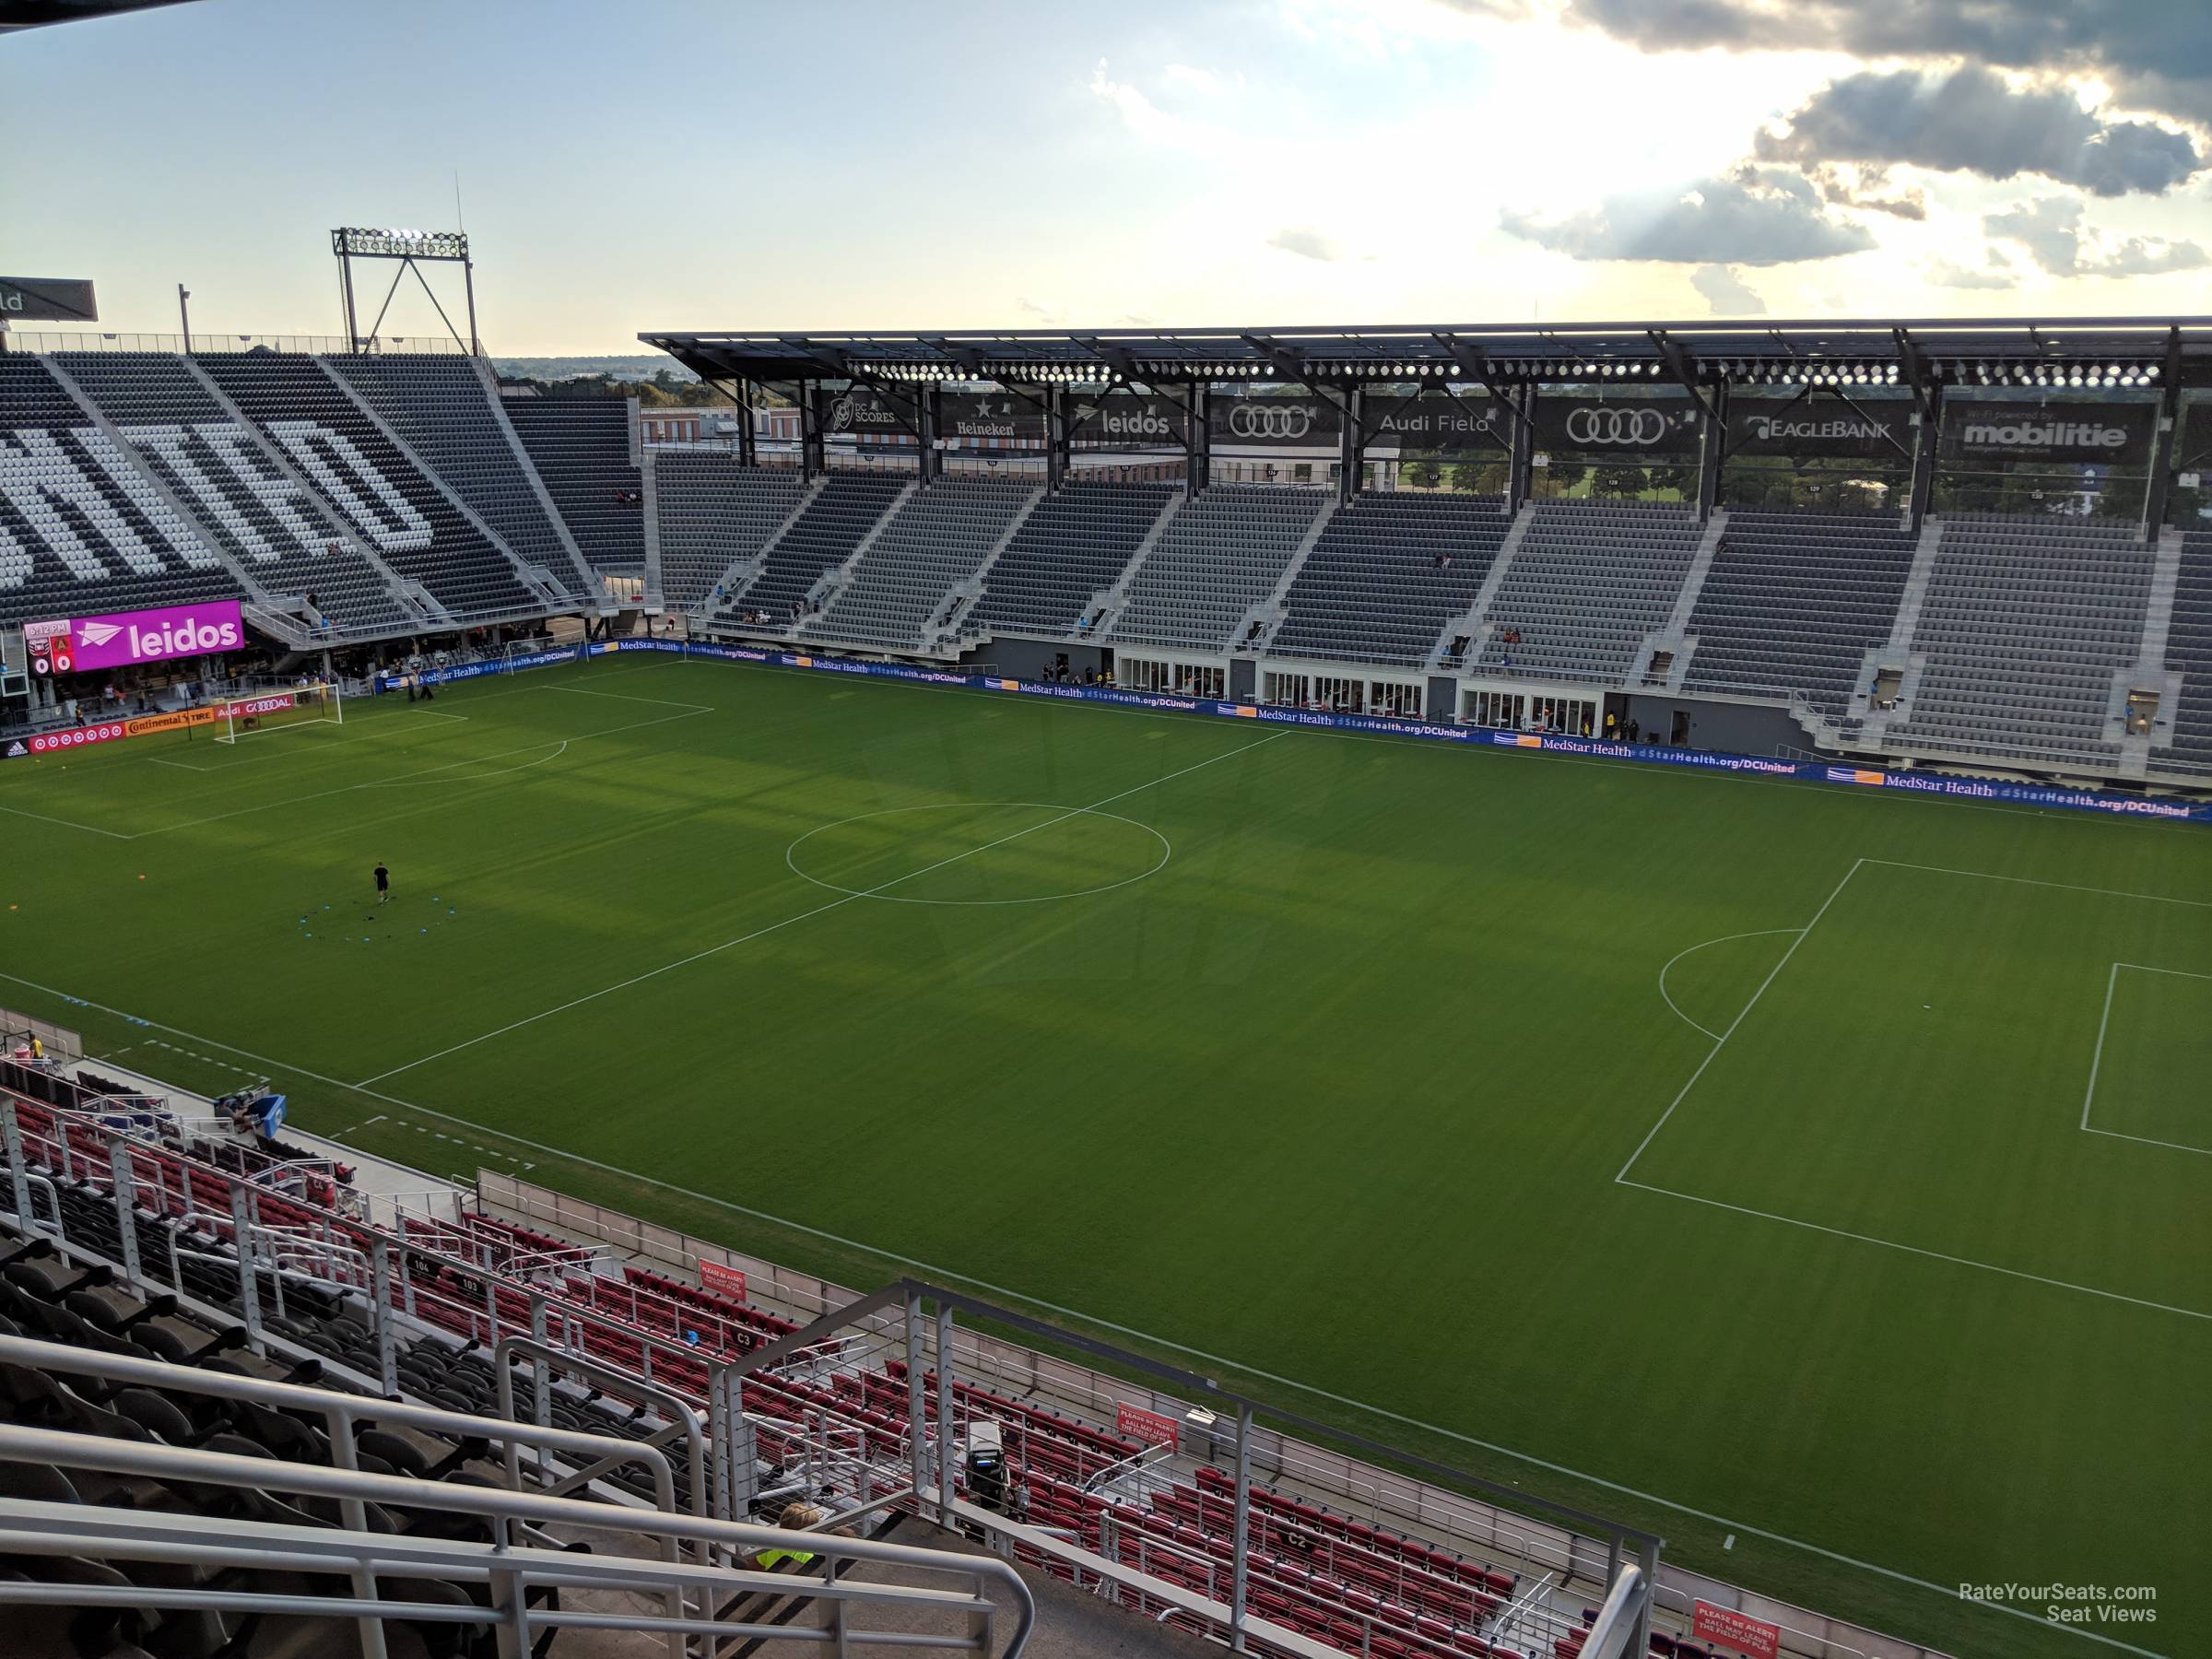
[(1624, 430), (1273, 423), (2110, 434), (1808, 430)]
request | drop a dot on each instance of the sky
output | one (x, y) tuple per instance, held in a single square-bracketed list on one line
[(722, 164)]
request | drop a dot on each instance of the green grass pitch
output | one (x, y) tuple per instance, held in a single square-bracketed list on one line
[(1719, 1154)]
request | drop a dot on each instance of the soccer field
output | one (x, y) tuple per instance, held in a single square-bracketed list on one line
[(1821, 1178)]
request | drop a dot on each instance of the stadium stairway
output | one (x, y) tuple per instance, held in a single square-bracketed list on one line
[(447, 412), (1794, 602), (2187, 757), (904, 577), (1222, 554), (243, 497), (82, 530), (831, 525), (2026, 641), (1073, 546), (1590, 583), (417, 526), (585, 449), (1387, 575), (711, 520)]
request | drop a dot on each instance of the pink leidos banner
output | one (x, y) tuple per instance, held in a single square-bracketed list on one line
[(85, 644)]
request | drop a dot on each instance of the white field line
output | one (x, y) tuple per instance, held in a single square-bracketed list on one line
[(757, 933), (1763, 933), (931, 1269), (67, 823), (666, 702), (403, 778), (1833, 792), (386, 726), (1722, 1041), (2097, 1059), (2063, 886)]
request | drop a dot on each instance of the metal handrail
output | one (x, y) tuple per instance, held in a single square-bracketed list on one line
[(510, 1569), (544, 1355)]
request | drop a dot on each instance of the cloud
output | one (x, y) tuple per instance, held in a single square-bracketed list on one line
[(1755, 216), (1861, 187), (2155, 54), (1039, 310), (1973, 120), (1727, 293), (1944, 273), (1184, 78), (1306, 244), (2052, 231)]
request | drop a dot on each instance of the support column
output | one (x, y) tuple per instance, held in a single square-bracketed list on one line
[(1198, 441), (1520, 465), (1648, 1559), (1351, 446), (926, 432), (945, 1449), (1055, 437), (380, 1314), (1925, 454), (18, 1173), (249, 1278), (917, 1423), (748, 441), (2158, 488), (127, 1225), (1715, 423), (1241, 1541), (811, 462)]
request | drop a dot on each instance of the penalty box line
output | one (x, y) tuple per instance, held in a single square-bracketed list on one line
[(2104, 1021), (1622, 1178), (819, 910), (932, 1270)]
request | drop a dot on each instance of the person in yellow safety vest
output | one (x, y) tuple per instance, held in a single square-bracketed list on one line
[(797, 1517)]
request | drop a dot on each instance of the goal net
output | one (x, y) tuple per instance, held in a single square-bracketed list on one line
[(249, 714)]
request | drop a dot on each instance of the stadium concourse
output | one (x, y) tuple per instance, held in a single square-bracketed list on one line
[(1854, 551)]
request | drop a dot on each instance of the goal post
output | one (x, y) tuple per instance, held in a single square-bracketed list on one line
[(248, 713)]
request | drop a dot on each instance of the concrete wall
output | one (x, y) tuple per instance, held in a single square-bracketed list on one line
[(1740, 728), (1027, 659)]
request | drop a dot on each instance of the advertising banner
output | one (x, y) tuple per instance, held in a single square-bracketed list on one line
[(85, 645), (1752, 1637), (1820, 428), (2114, 434), (860, 412), (1643, 754), (1135, 1423), (1300, 422), (1627, 430), (1439, 423), (965, 418), (1129, 419), (147, 725), (47, 300)]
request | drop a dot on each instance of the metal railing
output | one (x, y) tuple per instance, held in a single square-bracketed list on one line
[(206, 343), (689, 1588)]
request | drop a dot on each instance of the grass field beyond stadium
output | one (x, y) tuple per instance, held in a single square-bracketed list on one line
[(1815, 1169)]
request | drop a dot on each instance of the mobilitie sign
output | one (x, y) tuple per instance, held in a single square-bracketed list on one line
[(2115, 434), (47, 300)]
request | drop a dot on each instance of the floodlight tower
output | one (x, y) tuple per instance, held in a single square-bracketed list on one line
[(409, 249)]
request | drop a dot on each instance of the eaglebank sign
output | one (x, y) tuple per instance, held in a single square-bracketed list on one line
[(86, 644)]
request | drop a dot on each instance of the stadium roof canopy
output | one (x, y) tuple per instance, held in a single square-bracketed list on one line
[(2101, 351)]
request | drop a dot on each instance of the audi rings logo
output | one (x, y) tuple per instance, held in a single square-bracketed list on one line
[(1284, 421), (1615, 427)]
